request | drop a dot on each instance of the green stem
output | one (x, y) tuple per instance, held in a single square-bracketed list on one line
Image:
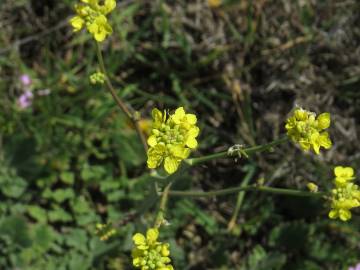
[(226, 191), (240, 197), (118, 100), (248, 151), (162, 207)]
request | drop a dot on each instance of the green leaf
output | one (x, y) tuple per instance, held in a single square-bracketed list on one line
[(60, 195), (80, 205), (16, 229), (59, 215), (38, 213), (67, 177), (13, 186)]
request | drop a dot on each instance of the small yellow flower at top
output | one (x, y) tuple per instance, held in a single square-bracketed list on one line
[(214, 3), (97, 78), (306, 129), (345, 195), (172, 138), (92, 14), (149, 254)]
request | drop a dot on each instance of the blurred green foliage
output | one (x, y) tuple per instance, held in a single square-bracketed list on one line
[(72, 160)]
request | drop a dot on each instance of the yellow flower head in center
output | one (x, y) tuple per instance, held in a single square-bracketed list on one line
[(345, 195), (306, 129), (149, 254), (93, 15), (172, 138)]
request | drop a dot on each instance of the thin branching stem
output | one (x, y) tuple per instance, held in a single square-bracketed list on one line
[(226, 191), (162, 207), (247, 151), (127, 110)]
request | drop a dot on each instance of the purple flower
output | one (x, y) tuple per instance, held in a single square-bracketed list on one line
[(356, 267), (25, 100), (25, 80)]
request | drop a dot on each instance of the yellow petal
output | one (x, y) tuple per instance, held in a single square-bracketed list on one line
[(191, 118), (152, 235), (344, 215), (323, 120), (93, 28), (139, 239), (191, 142), (157, 115), (155, 156), (179, 151), (77, 23), (100, 36), (324, 140), (340, 171), (178, 115), (193, 132), (137, 262), (301, 114), (165, 252), (314, 141), (152, 141), (171, 165), (333, 214), (109, 5)]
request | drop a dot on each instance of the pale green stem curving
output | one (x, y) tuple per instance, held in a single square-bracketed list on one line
[(247, 151), (118, 100), (226, 191), (160, 217), (240, 197)]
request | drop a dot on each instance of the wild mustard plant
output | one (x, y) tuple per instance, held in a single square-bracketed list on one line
[(307, 129), (345, 195), (92, 15), (172, 138), (149, 253)]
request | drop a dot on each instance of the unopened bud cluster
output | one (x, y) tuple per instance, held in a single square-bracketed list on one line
[(149, 254), (345, 195), (92, 15), (308, 130), (97, 78)]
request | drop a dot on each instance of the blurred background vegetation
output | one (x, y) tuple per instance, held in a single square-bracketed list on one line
[(71, 160)]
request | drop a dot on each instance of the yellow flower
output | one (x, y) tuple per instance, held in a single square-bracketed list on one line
[(214, 3), (172, 139), (343, 174), (92, 15), (345, 195), (149, 254), (308, 130)]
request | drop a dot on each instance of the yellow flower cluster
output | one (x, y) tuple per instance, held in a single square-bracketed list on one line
[(345, 195), (308, 130), (97, 78), (172, 138), (149, 254), (93, 15)]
